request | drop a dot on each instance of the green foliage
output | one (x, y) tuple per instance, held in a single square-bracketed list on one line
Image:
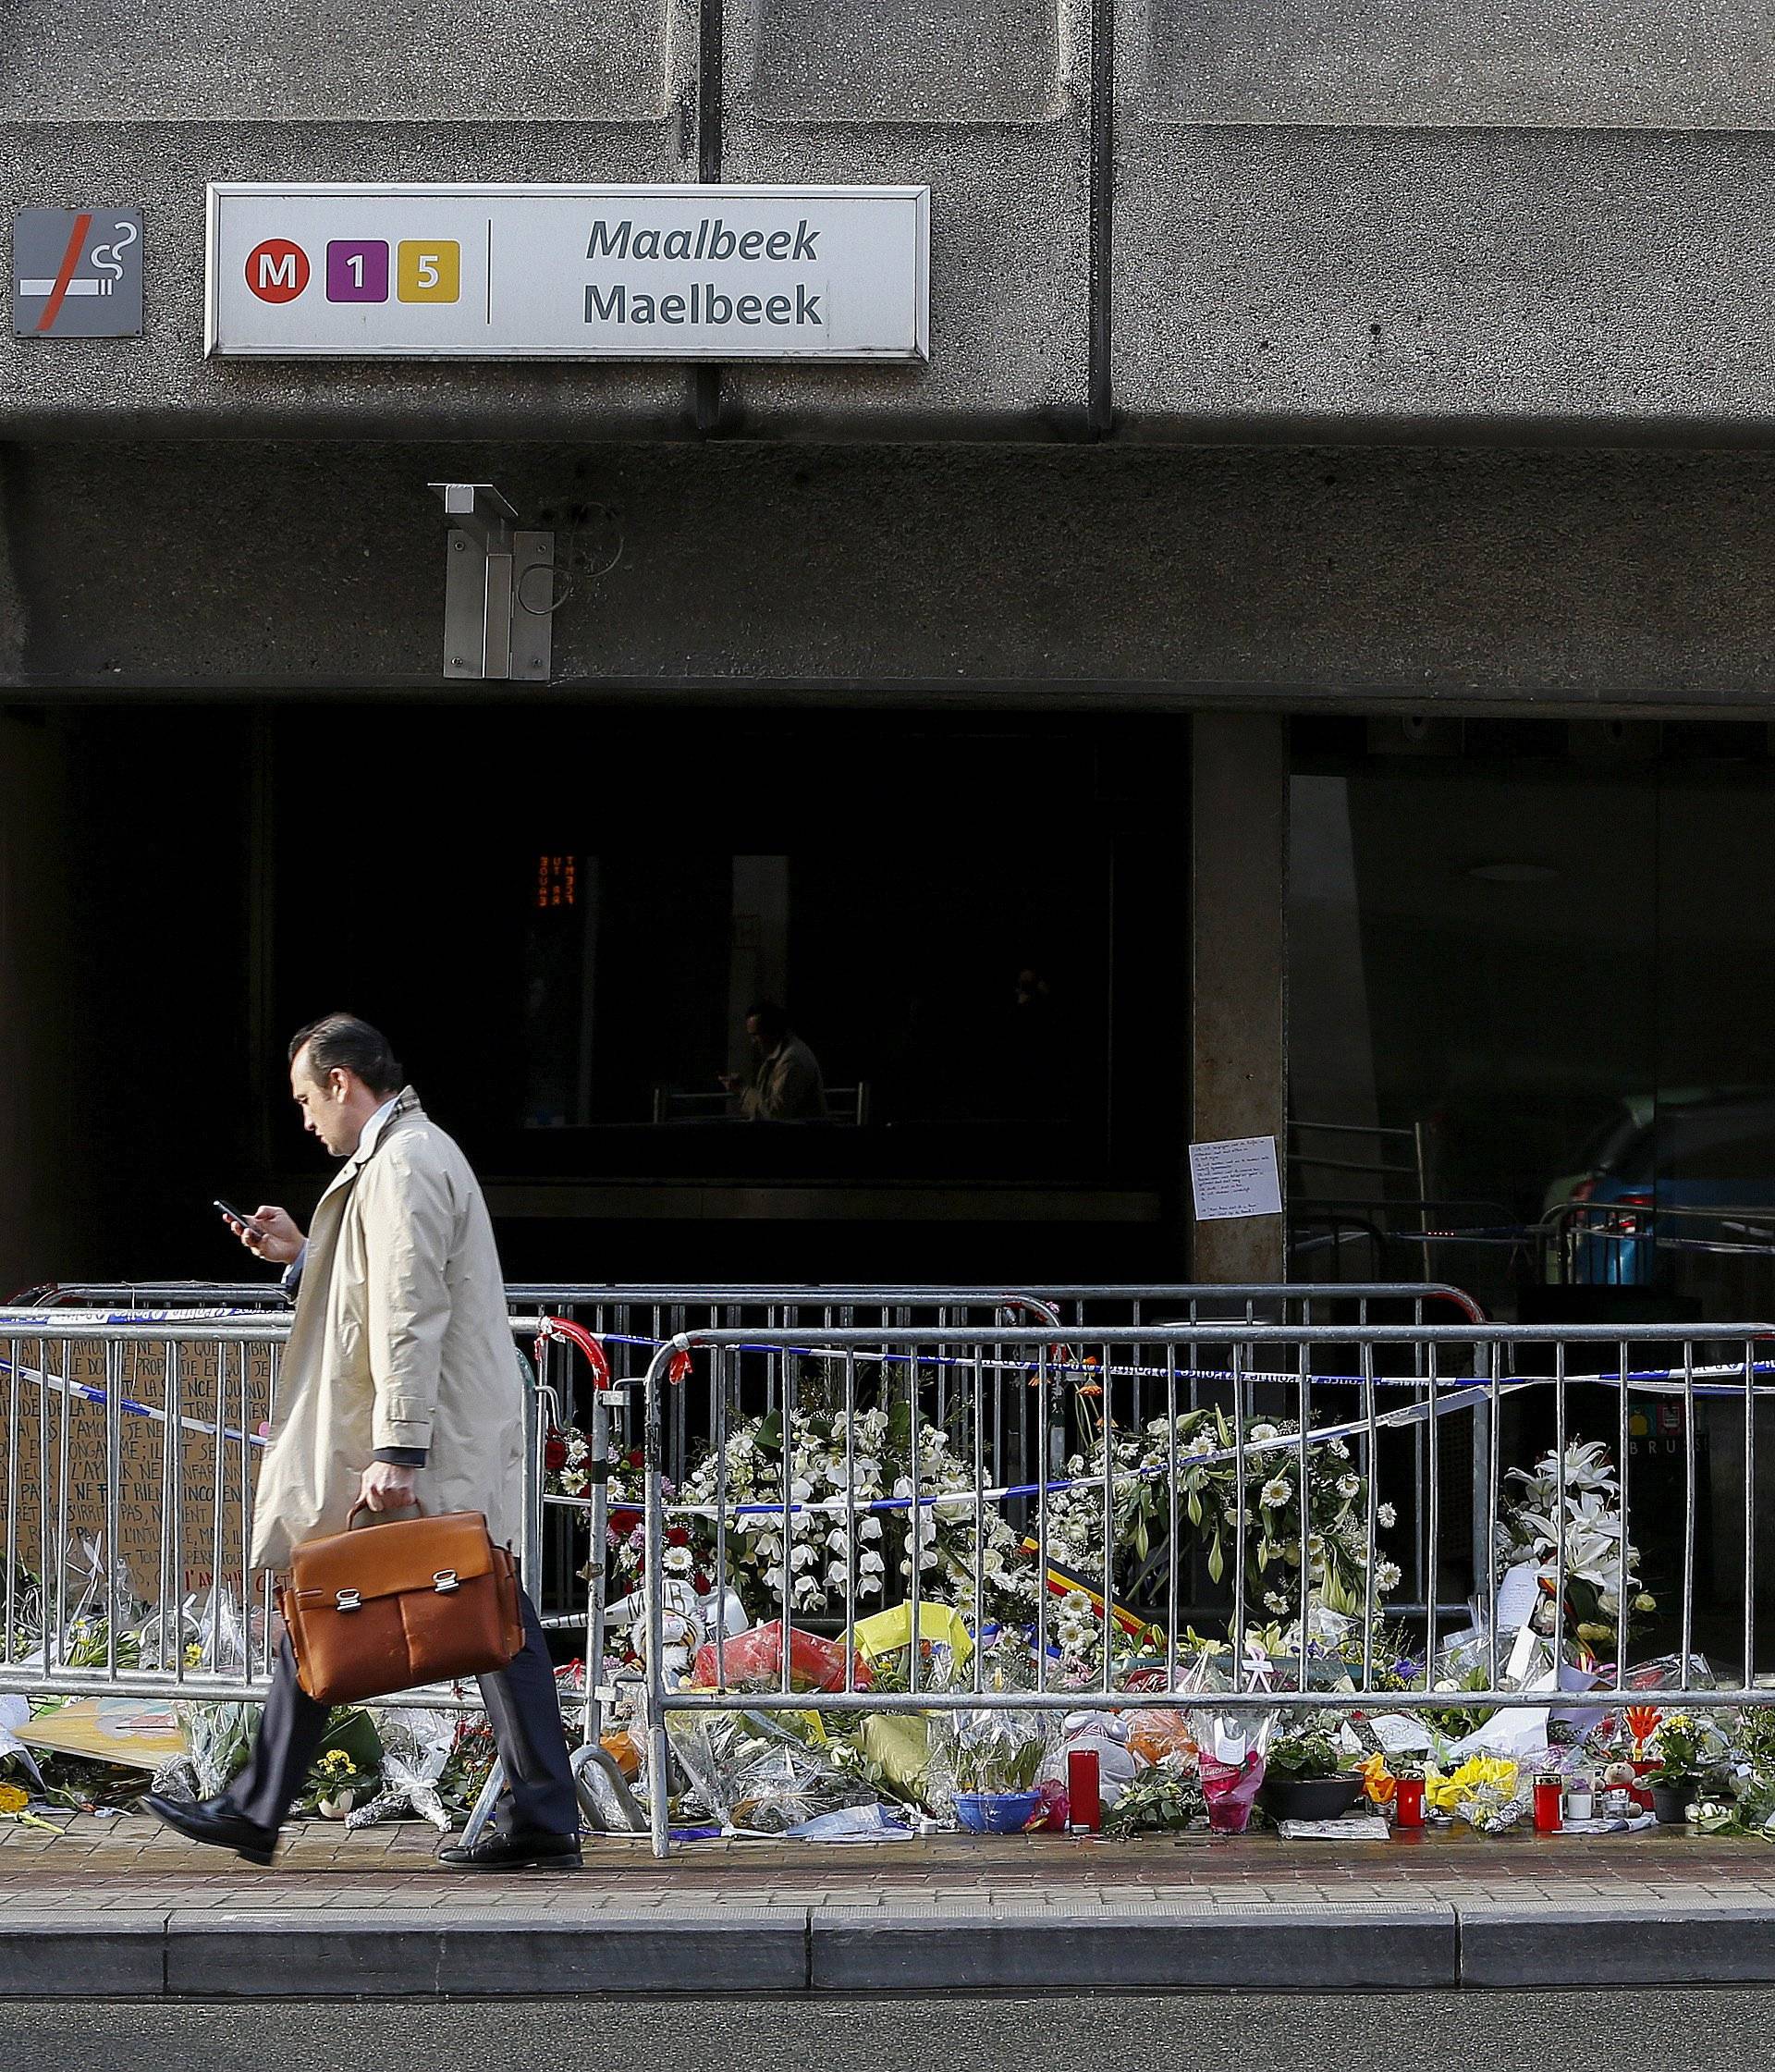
[(1167, 1796), (1301, 1757)]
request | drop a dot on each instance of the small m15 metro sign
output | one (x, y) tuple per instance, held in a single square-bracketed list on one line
[(77, 274)]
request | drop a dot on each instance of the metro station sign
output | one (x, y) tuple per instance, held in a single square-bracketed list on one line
[(671, 272)]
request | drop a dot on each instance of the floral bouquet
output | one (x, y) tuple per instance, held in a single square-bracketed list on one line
[(992, 1751), (1319, 1519), (831, 1516), (1583, 1539)]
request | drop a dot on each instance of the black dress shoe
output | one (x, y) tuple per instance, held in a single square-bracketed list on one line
[(528, 1850), (219, 1823)]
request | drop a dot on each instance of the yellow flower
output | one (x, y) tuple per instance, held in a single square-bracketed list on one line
[(13, 1799), (1447, 1793), (1378, 1781)]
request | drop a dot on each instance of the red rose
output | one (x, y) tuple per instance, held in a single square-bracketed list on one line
[(636, 1457), (677, 1536), (623, 1521), (702, 1584), (555, 1453)]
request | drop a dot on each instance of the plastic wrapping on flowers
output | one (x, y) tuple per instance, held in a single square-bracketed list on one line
[(756, 1775)]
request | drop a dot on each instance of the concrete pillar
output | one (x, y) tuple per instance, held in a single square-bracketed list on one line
[(1239, 967)]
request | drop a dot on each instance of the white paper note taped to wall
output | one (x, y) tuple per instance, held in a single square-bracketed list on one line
[(1237, 1176)]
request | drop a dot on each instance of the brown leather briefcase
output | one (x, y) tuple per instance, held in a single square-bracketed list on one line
[(423, 1601)]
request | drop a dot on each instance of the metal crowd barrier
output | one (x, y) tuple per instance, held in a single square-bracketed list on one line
[(633, 1320), (1465, 1371), (128, 1448), (129, 1443), (128, 1477)]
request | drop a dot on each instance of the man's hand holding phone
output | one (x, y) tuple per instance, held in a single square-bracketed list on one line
[(268, 1234)]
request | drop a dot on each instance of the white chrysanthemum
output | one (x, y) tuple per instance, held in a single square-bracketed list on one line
[(1387, 1576), (1275, 1494), (1385, 1514), (679, 1561), (1349, 1485), (1260, 1435)]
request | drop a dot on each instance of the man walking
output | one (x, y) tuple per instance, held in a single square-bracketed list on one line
[(399, 1386)]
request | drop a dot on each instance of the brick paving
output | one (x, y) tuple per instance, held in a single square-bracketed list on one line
[(133, 1865)]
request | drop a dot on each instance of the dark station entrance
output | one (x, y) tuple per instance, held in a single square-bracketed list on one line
[(561, 915)]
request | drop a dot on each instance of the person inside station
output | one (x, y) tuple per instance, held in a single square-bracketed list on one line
[(785, 1084)]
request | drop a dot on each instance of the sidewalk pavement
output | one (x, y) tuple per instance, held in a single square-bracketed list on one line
[(121, 1907)]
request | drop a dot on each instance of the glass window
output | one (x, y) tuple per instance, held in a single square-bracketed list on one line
[(1529, 979)]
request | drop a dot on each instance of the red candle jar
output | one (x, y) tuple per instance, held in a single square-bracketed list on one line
[(1547, 1805), (1084, 1792), (1408, 1802)]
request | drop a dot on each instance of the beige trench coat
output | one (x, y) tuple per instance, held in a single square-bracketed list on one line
[(399, 1337)]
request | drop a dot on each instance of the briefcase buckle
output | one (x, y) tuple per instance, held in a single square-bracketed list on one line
[(349, 1600), (444, 1581)]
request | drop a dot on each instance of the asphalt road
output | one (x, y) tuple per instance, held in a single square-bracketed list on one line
[(1693, 2029)]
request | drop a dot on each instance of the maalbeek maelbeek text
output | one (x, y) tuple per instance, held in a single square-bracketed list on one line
[(701, 301)]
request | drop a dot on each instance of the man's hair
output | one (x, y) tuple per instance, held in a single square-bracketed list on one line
[(343, 1043), (770, 1018)]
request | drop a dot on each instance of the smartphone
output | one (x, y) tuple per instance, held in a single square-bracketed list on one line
[(240, 1215)]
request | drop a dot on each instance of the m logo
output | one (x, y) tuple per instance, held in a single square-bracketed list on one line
[(278, 270)]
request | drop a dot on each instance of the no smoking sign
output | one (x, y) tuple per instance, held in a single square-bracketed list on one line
[(76, 273)]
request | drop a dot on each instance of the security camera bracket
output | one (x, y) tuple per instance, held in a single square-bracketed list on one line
[(498, 588)]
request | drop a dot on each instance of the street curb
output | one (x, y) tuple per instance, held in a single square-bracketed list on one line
[(480, 1955), (960, 1948), (1268, 1948), (82, 1956), (1503, 1944)]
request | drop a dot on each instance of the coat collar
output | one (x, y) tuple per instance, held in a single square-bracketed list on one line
[(406, 1103)]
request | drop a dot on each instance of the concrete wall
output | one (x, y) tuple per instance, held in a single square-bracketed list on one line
[(1375, 217), (1624, 582)]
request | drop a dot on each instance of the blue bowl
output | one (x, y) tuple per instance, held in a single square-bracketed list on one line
[(996, 1812)]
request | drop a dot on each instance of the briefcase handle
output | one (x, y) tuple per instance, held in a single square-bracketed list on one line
[(362, 1504)]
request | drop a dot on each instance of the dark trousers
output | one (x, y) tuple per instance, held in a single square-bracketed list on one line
[(523, 1710)]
